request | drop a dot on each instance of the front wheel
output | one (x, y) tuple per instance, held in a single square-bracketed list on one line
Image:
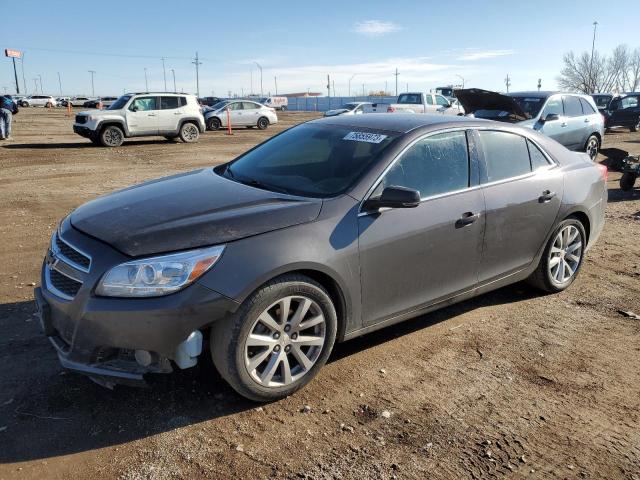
[(636, 127), (263, 123), (627, 181), (24, 104), (592, 147), (111, 136), (277, 340), (214, 123), (283, 108), (189, 133), (562, 257)]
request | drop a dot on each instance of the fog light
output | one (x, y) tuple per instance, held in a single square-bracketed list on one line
[(143, 358)]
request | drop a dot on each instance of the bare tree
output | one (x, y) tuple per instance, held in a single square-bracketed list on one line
[(602, 73)]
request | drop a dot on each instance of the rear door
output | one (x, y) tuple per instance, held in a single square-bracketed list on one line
[(412, 257), (522, 192), (142, 116), (251, 112), (577, 122), (170, 114)]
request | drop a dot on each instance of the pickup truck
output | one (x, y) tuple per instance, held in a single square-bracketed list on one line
[(425, 103)]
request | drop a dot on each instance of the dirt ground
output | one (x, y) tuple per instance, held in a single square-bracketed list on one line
[(511, 384)]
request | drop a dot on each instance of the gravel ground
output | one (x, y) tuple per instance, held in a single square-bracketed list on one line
[(511, 384)]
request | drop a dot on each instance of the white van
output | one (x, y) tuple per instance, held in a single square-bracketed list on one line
[(279, 103)]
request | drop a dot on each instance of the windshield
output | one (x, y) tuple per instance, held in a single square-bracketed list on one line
[(310, 160), (263, 100), (349, 106), (409, 98), (447, 92), (220, 105), (530, 105), (119, 103)]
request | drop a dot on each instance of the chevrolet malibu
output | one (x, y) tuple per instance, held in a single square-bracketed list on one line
[(327, 231)]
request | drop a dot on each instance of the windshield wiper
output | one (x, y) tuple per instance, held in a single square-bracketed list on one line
[(265, 186)]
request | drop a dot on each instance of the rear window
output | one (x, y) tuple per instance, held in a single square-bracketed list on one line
[(538, 160), (506, 155), (167, 103), (409, 98), (586, 107)]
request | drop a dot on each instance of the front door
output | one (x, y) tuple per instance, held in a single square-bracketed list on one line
[(556, 129), (522, 191), (142, 116), (627, 112), (413, 257), (236, 114)]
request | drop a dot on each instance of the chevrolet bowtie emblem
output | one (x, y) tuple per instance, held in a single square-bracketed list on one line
[(51, 259)]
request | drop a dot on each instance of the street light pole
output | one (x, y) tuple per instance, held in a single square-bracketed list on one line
[(40, 77), (174, 80), (461, 78), (60, 83), (164, 75), (146, 80), (352, 76), (592, 87), (275, 79), (396, 75), (93, 91), (260, 67)]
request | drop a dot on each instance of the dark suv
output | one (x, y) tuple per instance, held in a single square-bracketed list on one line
[(624, 111)]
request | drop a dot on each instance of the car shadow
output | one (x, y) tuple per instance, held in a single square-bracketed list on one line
[(87, 144), (47, 412), (619, 195)]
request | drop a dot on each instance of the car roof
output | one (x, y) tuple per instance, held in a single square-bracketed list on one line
[(398, 122), (159, 93), (535, 93)]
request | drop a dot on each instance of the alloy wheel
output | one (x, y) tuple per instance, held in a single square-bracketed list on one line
[(592, 148), (190, 132), (285, 341), (112, 137), (565, 254)]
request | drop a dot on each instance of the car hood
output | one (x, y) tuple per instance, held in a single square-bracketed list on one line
[(189, 210), (337, 111), (474, 99)]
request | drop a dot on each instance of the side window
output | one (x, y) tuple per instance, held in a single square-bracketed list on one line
[(144, 104), (183, 101), (249, 106), (168, 103), (629, 102), (572, 107), (235, 106), (586, 107), (440, 100), (553, 106), (429, 99), (434, 165), (538, 160), (505, 155)]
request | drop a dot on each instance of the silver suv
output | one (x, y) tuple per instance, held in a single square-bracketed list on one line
[(170, 115)]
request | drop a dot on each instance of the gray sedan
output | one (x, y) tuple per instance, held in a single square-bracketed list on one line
[(241, 113), (327, 231)]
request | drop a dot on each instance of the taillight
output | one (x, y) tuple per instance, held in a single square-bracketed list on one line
[(604, 171), (390, 109)]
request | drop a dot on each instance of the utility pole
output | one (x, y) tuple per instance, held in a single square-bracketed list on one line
[(592, 87), (350, 83), (146, 80), (93, 91), (363, 89), (275, 79), (164, 75), (40, 78), (507, 82), (24, 79), (396, 75), (60, 83), (261, 91), (251, 83), (333, 84), (328, 86), (539, 84), (197, 63), (174, 80)]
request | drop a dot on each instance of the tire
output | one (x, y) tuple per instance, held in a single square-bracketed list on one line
[(636, 127), (189, 132), (283, 108), (214, 123), (627, 181), (263, 123), (24, 104), (546, 275), (267, 380), (49, 105), (111, 136), (592, 147)]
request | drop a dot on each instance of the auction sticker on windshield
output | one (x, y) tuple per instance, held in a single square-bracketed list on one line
[(365, 137)]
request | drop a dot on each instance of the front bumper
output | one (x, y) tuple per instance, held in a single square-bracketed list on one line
[(83, 131), (98, 336)]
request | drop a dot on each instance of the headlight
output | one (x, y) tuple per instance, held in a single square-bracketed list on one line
[(153, 277)]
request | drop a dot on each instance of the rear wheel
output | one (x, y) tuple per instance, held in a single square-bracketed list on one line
[(636, 127), (283, 108), (111, 136), (24, 104), (214, 123), (263, 123), (189, 132), (592, 147), (277, 340), (562, 257), (49, 105), (627, 181)]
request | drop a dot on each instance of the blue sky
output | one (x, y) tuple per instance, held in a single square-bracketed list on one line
[(431, 43)]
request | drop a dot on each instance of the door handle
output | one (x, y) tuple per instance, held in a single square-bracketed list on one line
[(151, 115), (586, 120), (563, 124), (546, 196), (467, 218)]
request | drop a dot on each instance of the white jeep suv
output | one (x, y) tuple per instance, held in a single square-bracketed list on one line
[(38, 101), (170, 115)]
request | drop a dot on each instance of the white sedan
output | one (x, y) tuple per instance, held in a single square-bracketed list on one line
[(243, 113), (352, 108)]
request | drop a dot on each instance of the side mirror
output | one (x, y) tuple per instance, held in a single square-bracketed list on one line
[(549, 118), (394, 197)]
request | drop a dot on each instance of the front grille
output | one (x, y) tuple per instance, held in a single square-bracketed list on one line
[(72, 254), (64, 284), (81, 119)]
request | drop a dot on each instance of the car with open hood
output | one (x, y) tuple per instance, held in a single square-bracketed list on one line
[(351, 108), (326, 231), (572, 120)]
